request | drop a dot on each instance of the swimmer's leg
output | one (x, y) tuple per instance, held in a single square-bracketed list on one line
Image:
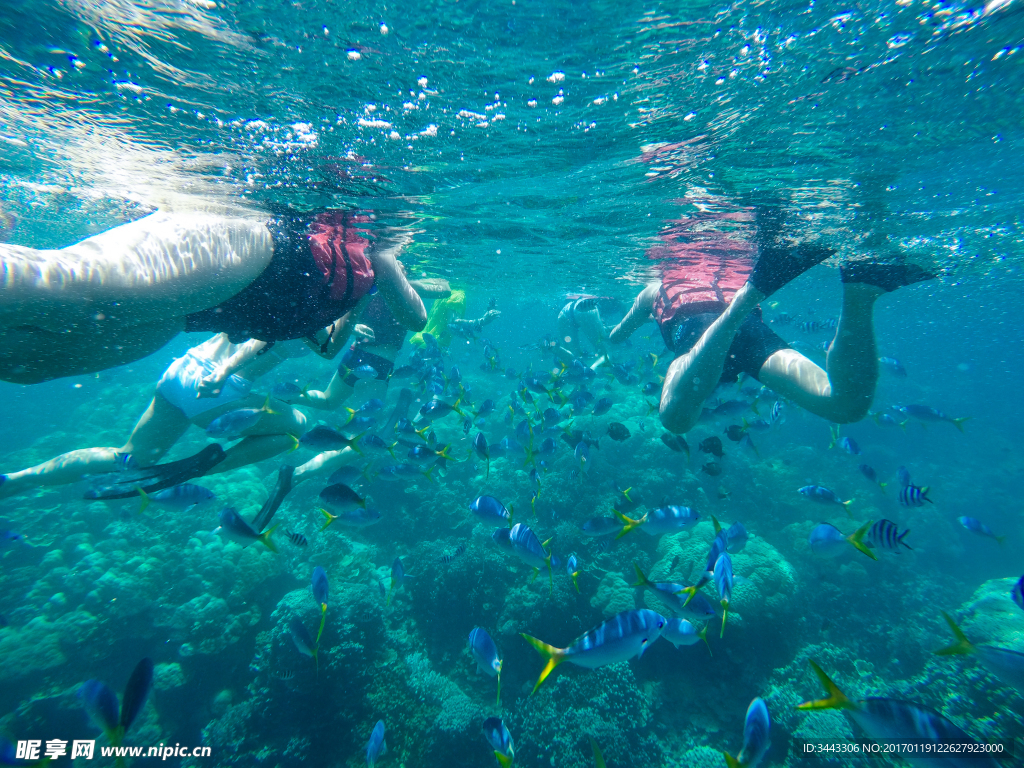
[(275, 433), (281, 419), (159, 428), (336, 393), (693, 376), (61, 470), (323, 464), (845, 392), (252, 449)]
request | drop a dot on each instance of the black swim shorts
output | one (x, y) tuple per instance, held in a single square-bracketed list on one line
[(755, 342)]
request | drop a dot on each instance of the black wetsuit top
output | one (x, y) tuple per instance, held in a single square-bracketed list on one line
[(387, 331), (289, 300)]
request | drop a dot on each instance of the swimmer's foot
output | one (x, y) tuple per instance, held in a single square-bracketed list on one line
[(885, 275), (777, 265)]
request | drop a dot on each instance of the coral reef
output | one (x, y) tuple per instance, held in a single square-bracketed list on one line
[(607, 704)]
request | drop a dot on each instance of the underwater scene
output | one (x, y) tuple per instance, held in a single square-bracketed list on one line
[(534, 383)]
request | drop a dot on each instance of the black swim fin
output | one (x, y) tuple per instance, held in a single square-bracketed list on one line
[(282, 489), (125, 485), (777, 265), (405, 398), (887, 275)]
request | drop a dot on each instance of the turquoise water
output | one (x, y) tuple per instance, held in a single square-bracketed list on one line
[(536, 149)]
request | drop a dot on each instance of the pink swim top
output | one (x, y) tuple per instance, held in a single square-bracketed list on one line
[(701, 267)]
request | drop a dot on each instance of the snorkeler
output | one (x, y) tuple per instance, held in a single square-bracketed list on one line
[(580, 316), (706, 306), (121, 295), (370, 360), (446, 318), (209, 380)]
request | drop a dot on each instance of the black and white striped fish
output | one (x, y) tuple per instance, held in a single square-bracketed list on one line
[(914, 496), (297, 539), (885, 534), (809, 326), (447, 557), (284, 674)]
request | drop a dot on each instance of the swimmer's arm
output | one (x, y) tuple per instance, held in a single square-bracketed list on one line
[(400, 297), (434, 288), (490, 316), (211, 385), (638, 314)]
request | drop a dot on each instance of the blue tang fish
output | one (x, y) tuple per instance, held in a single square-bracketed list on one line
[(528, 548), (181, 498), (233, 423), (485, 654), (620, 638), (324, 438), (682, 632), (927, 413), (894, 720), (234, 528), (670, 519), (303, 640), (823, 495), (723, 582), (756, 727), (480, 449), (849, 445), (436, 409), (376, 746), (736, 536), (490, 510), (975, 525), (1005, 663), (397, 577), (670, 594), (502, 539), (828, 541), (572, 567), (353, 518), (500, 739)]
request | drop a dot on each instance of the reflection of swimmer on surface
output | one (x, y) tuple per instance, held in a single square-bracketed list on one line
[(123, 294), (209, 380), (706, 305)]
